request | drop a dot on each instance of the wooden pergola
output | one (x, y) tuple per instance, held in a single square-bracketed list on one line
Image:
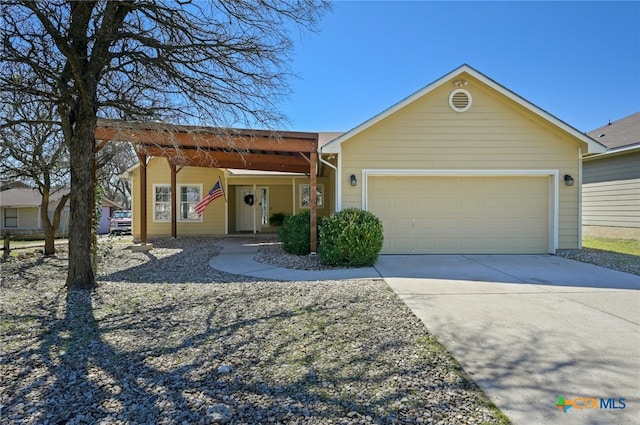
[(214, 147)]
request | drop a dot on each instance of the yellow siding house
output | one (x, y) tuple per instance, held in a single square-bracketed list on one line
[(462, 166), (465, 166), (251, 198)]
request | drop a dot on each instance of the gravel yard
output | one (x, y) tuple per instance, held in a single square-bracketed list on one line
[(165, 339), (612, 260)]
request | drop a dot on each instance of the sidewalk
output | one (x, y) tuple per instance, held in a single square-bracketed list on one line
[(237, 258)]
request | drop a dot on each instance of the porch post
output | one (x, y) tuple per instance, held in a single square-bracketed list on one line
[(313, 190), (174, 212), (143, 196), (253, 208)]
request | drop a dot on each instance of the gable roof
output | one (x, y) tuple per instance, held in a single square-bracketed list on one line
[(27, 197), (109, 203), (5, 185), (618, 134), (592, 145)]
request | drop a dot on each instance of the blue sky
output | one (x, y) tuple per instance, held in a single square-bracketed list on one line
[(580, 61)]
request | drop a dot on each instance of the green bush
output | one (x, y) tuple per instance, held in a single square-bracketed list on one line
[(295, 233), (276, 219), (351, 237)]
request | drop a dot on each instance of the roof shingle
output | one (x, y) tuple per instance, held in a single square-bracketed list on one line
[(620, 133)]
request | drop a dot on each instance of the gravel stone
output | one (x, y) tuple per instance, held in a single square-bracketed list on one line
[(220, 413), (271, 252), (612, 260), (225, 369), (146, 347)]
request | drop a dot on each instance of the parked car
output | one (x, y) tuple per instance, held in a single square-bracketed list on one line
[(120, 222)]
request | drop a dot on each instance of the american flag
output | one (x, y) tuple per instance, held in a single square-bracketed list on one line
[(215, 192)]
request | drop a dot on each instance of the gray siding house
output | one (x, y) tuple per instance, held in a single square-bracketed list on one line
[(20, 210), (611, 182)]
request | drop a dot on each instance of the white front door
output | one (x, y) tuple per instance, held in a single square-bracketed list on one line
[(245, 213)]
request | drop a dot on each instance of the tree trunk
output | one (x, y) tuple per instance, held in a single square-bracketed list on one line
[(49, 235), (51, 226), (80, 274), (49, 239)]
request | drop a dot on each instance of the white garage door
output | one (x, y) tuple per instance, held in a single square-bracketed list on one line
[(461, 215)]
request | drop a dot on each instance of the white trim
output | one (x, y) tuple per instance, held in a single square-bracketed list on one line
[(614, 152), (261, 210), (153, 204), (4, 217), (553, 189), (579, 198), (335, 174), (593, 145), (319, 188), (339, 183), (179, 202), (253, 207), (554, 210), (226, 204)]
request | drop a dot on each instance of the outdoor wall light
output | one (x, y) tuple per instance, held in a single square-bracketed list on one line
[(354, 180), (568, 180), (460, 83)]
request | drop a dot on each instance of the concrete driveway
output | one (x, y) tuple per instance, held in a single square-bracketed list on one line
[(529, 328)]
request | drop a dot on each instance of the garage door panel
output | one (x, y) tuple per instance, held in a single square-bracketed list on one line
[(398, 244), (426, 243), (446, 215), (400, 224)]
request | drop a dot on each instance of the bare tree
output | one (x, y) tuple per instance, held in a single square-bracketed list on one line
[(223, 63), (113, 161), (35, 152)]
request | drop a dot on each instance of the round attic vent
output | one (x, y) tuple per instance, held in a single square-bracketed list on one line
[(460, 100)]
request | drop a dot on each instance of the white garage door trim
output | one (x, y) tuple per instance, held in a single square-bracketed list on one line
[(553, 188)]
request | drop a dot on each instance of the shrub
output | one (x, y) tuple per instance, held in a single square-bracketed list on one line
[(295, 233), (276, 219), (351, 237)]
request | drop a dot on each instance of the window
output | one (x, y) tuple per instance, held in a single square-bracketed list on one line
[(264, 193), (189, 198), (162, 203), (11, 217), (122, 214), (305, 196)]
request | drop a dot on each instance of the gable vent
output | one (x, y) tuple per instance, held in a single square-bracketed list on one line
[(460, 100)]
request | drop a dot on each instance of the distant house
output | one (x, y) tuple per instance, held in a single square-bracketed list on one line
[(20, 210), (611, 182), (108, 208), (463, 166)]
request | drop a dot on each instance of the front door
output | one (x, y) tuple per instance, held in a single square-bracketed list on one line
[(245, 209)]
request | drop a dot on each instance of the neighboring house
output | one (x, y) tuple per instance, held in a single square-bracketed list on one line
[(108, 208), (611, 182), (462, 166), (20, 211)]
